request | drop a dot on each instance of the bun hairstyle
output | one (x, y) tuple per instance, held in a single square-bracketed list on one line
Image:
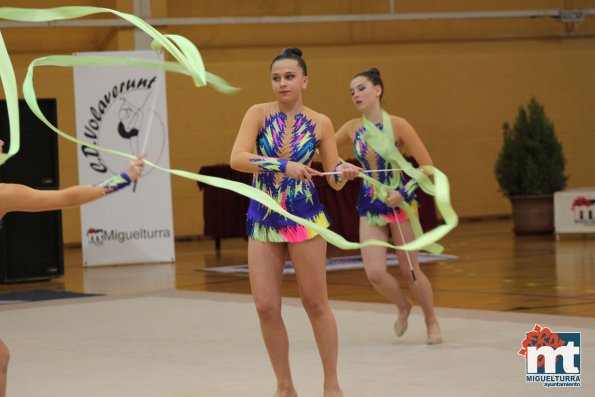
[(373, 75), (292, 53)]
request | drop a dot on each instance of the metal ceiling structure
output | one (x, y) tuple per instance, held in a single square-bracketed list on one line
[(563, 15)]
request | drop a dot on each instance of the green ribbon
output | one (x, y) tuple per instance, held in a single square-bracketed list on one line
[(187, 56), (189, 62), (9, 84)]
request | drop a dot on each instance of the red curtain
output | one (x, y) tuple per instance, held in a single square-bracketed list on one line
[(225, 211)]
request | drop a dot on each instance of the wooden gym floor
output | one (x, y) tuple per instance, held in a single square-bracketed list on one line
[(494, 271)]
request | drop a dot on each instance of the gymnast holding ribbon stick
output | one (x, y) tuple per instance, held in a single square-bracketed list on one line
[(286, 135), (307, 222), (16, 197), (378, 216)]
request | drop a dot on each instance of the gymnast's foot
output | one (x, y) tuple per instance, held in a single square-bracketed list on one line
[(334, 392), (434, 333), (289, 392), (401, 323)]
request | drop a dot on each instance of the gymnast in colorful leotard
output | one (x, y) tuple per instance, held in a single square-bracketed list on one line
[(286, 135), (278, 144), (379, 218)]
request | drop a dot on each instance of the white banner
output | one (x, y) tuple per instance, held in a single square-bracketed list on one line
[(124, 108), (574, 210)]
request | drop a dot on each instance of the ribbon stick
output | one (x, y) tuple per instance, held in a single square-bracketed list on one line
[(150, 122), (365, 171), (148, 129), (406, 252)]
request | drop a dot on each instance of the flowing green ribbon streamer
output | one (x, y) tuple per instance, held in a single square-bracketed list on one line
[(180, 48), (188, 62), (186, 54), (238, 187), (9, 83), (383, 143)]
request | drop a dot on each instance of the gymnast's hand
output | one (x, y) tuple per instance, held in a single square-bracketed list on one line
[(394, 198), (300, 171), (348, 171), (135, 167)]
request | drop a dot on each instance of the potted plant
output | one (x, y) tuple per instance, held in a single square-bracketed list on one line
[(530, 168)]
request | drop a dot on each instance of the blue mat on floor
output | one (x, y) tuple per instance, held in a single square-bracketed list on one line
[(39, 295), (340, 263)]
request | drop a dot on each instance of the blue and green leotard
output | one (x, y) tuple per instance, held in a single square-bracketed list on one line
[(280, 141), (369, 206)]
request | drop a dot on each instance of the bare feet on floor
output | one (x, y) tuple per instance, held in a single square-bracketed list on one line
[(401, 323), (285, 393), (434, 333), (333, 393)]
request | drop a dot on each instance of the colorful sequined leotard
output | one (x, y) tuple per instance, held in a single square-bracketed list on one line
[(276, 141), (376, 210)]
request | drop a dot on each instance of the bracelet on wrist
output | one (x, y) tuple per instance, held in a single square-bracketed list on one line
[(338, 177), (115, 183)]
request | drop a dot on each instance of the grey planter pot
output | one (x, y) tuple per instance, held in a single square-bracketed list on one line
[(533, 214)]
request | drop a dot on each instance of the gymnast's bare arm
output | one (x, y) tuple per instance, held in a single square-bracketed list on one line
[(16, 197)]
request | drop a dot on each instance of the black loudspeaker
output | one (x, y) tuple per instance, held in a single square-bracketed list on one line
[(31, 245), (36, 163)]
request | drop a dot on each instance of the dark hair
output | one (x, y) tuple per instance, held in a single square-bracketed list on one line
[(292, 53), (373, 75)]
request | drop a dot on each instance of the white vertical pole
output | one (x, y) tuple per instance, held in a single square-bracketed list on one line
[(142, 9)]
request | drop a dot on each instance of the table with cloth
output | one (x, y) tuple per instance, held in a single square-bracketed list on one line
[(224, 210)]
